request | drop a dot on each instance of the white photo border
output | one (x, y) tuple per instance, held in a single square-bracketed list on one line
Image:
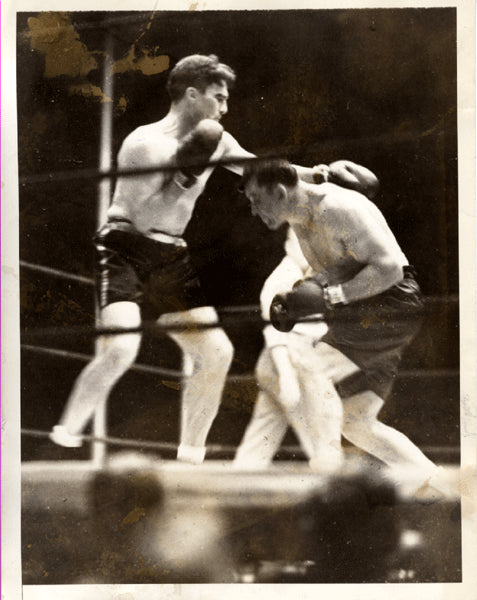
[(11, 566)]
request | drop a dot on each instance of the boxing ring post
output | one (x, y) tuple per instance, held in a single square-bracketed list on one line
[(98, 449)]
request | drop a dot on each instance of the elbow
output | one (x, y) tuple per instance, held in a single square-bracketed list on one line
[(394, 272), (386, 272)]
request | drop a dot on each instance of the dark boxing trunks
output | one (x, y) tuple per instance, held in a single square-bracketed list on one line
[(377, 334), (157, 275)]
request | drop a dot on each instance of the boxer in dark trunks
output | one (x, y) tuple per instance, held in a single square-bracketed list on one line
[(143, 265), (354, 260)]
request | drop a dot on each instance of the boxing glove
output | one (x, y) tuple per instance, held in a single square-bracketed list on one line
[(355, 177), (348, 175), (195, 149), (306, 298)]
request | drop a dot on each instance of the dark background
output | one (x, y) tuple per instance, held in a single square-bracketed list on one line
[(374, 86)]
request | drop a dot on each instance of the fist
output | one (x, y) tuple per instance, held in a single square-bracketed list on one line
[(280, 314), (195, 149), (306, 298), (198, 146), (208, 133)]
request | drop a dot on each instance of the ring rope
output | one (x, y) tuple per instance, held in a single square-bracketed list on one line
[(57, 273), (86, 357), (277, 153), (138, 367), (93, 174), (111, 441), (146, 326), (253, 318), (131, 443), (175, 373), (247, 308), (211, 449), (450, 299)]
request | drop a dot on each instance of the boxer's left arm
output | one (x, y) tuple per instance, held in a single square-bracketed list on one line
[(343, 173), (352, 176), (195, 150)]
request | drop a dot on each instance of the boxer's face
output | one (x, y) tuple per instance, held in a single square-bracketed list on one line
[(212, 102), (266, 202)]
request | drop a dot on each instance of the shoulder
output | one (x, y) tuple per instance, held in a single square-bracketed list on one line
[(343, 205), (148, 135), (339, 199)]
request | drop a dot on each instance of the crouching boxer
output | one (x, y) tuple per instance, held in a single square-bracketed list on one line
[(362, 284)]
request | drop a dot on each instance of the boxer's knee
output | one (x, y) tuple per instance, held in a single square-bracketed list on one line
[(213, 350), (360, 412), (119, 352), (219, 350)]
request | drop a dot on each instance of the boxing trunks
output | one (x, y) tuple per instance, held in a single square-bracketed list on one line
[(375, 338), (156, 274)]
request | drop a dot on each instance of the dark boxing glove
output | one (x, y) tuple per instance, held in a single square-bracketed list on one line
[(348, 175), (306, 298), (196, 148)]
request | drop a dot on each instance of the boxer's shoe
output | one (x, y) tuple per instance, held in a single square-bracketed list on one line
[(61, 437), (435, 488), (193, 455)]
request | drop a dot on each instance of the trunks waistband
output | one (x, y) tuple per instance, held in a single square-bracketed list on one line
[(154, 234), (408, 271)]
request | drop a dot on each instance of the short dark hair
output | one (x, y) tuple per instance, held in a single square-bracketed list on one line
[(197, 71), (269, 172)]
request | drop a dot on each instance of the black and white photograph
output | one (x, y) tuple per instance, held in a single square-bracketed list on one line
[(289, 396)]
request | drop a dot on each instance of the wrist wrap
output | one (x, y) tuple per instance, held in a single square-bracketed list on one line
[(320, 173), (333, 295)]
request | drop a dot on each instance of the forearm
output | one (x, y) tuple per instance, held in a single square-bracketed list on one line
[(344, 173), (373, 279), (305, 173)]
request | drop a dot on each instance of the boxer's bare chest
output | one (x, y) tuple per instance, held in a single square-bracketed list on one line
[(324, 248)]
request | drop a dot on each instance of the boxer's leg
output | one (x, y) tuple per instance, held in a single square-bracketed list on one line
[(263, 436), (209, 352), (115, 354)]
